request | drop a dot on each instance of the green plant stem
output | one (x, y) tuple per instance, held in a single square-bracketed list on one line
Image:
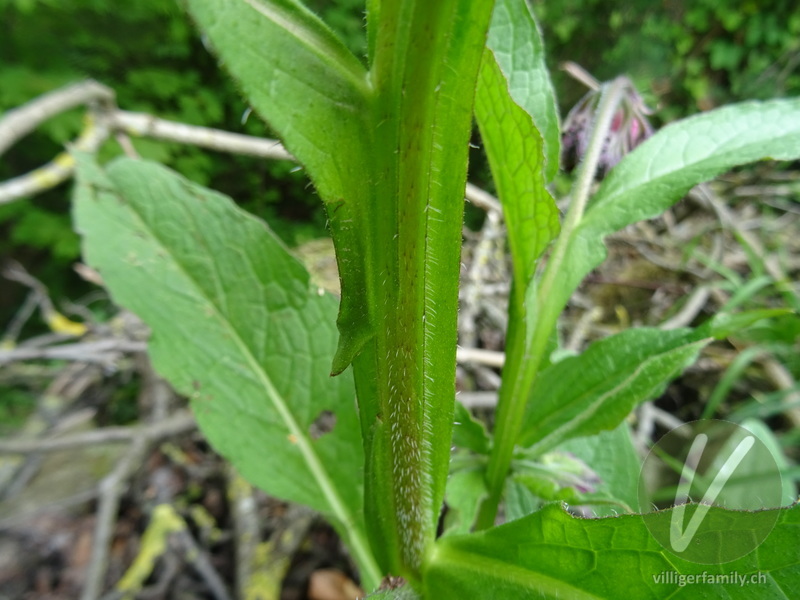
[(528, 351), (424, 64)]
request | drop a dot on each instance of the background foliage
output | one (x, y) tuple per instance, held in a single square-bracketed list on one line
[(687, 56), (151, 56), (684, 56)]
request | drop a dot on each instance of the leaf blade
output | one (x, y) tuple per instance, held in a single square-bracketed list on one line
[(236, 327), (516, 113), (615, 375), (517, 116), (314, 93), (551, 554), (516, 42), (613, 457), (660, 171)]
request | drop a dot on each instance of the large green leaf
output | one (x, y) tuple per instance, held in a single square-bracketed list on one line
[(314, 93), (659, 172), (595, 391), (551, 554), (516, 113), (237, 328), (298, 76)]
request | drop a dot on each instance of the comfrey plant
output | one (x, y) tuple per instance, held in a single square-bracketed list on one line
[(240, 330)]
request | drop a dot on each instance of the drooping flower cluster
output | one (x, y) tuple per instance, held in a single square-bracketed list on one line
[(629, 128)]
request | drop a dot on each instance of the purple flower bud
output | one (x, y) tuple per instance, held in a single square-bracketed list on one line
[(629, 128)]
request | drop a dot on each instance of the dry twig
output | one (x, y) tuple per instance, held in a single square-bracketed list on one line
[(103, 352), (179, 423), (104, 120), (111, 490)]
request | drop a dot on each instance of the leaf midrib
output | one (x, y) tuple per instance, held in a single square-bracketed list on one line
[(490, 567), (313, 462), (337, 57)]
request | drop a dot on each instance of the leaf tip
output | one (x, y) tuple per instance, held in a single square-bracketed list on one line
[(350, 344)]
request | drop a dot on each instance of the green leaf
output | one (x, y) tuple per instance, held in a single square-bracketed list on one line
[(301, 79), (465, 490), (551, 554), (465, 485), (659, 172), (516, 113), (595, 391), (237, 327), (612, 456), (469, 432), (724, 324), (765, 434), (516, 43), (520, 499), (296, 74)]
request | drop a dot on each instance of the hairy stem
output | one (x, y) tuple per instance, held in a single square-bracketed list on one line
[(424, 63)]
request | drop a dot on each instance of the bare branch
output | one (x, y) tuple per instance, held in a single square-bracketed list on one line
[(101, 351), (105, 120), (19, 122), (14, 271), (697, 300), (484, 357), (9, 339), (60, 168), (478, 399), (483, 199), (580, 74), (111, 491), (144, 125), (180, 422), (201, 563)]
